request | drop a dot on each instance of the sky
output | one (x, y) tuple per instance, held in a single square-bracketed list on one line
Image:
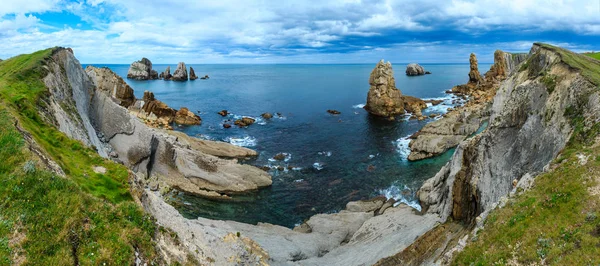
[(294, 31)]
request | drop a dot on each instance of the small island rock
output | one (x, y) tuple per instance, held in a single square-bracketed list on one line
[(142, 70), (383, 98), (414, 70), (180, 73), (193, 74)]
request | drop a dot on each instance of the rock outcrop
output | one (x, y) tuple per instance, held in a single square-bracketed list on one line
[(414, 105), (118, 89), (244, 121), (186, 117), (180, 73), (439, 136), (193, 74), (142, 70), (154, 112), (384, 99), (166, 75), (415, 70), (530, 123)]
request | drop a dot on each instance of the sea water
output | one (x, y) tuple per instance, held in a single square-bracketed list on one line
[(329, 159)]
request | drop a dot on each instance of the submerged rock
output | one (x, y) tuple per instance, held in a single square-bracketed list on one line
[(193, 74), (244, 121), (226, 125), (267, 116), (180, 73), (333, 112), (414, 70), (383, 98), (223, 113), (142, 70), (186, 117)]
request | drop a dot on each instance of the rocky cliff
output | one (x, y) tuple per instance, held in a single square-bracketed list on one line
[(439, 136), (534, 113), (180, 73)]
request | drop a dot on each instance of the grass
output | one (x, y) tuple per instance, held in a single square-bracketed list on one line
[(85, 218), (593, 55), (60, 221), (22, 88), (556, 222)]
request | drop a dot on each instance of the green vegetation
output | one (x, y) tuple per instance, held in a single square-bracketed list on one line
[(550, 81), (589, 67), (593, 55), (83, 219), (22, 88), (556, 222)]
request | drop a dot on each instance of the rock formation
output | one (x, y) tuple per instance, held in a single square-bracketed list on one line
[(244, 121), (413, 105), (166, 75), (414, 70), (193, 74), (142, 70), (154, 111), (120, 91), (186, 117), (180, 73), (267, 115), (439, 136), (474, 76), (384, 99)]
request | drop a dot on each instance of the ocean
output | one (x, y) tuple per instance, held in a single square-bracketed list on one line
[(331, 159)]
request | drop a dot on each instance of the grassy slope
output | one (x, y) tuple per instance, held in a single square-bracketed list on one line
[(557, 221), (593, 55), (86, 214)]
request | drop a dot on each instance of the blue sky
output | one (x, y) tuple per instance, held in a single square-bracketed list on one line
[(262, 31)]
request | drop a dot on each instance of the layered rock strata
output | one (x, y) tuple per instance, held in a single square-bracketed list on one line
[(142, 70)]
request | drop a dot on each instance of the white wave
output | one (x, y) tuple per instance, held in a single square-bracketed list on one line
[(242, 141), (257, 120), (326, 153), (358, 106), (402, 147), (298, 180), (371, 156), (296, 168), (394, 192), (204, 137), (318, 166)]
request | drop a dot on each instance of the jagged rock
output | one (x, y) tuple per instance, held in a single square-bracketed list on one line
[(186, 117), (167, 74), (193, 74), (155, 110), (142, 70), (120, 92), (223, 113), (205, 77), (267, 116), (383, 98), (244, 121), (180, 73), (474, 75), (414, 70), (279, 156), (414, 105), (333, 112)]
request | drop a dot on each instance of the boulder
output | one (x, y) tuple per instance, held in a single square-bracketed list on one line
[(167, 74), (369, 205), (223, 113), (142, 70), (279, 156), (244, 122), (383, 98), (413, 105), (333, 112), (414, 70), (193, 74), (180, 73), (205, 77), (186, 117), (267, 116), (226, 125)]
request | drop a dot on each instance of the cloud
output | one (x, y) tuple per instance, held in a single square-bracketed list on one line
[(290, 31)]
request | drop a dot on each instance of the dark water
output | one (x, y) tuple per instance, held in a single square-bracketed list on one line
[(335, 159)]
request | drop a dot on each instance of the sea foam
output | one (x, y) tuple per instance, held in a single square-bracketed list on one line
[(402, 147), (398, 194), (246, 141)]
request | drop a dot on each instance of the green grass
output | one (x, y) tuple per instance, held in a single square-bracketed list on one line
[(58, 219), (21, 87), (593, 55), (588, 67)]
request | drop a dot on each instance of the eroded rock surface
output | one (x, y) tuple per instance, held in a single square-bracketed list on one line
[(384, 99), (415, 70), (193, 74), (180, 73), (142, 70), (166, 75), (186, 117)]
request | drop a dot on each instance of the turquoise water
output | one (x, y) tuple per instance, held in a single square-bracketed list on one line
[(332, 159)]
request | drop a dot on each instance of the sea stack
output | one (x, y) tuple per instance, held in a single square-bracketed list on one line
[(193, 74), (414, 70), (474, 75), (180, 73), (167, 74), (383, 98), (142, 70)]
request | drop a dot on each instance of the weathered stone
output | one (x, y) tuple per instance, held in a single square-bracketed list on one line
[(333, 112), (414, 105), (267, 116), (180, 73), (369, 205), (223, 113), (142, 70), (186, 117), (166, 75), (474, 76), (414, 70), (244, 121), (193, 74), (383, 98), (120, 91)]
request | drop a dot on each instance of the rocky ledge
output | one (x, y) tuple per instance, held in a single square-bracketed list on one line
[(384, 99), (439, 136), (142, 70)]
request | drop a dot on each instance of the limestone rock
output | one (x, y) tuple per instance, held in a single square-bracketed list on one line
[(142, 70), (156, 110), (244, 121), (180, 73), (414, 105), (267, 116), (474, 76), (166, 75), (186, 117), (383, 98), (120, 91), (414, 70), (193, 74), (369, 205)]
